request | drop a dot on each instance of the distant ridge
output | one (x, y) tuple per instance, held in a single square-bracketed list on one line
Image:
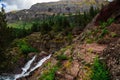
[(42, 10)]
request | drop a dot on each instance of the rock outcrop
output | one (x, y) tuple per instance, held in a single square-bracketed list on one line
[(112, 58), (110, 11)]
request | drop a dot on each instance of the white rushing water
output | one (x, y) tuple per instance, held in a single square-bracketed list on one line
[(25, 69), (37, 66)]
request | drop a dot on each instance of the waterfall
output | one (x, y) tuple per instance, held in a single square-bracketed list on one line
[(37, 66), (25, 69)]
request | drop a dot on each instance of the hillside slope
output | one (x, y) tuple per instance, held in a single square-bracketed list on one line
[(92, 54), (78, 60), (42, 10)]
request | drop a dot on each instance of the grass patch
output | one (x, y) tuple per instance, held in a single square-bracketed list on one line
[(21, 25), (24, 47), (62, 57), (70, 37), (49, 74), (103, 33), (89, 41), (107, 23), (113, 34), (99, 71)]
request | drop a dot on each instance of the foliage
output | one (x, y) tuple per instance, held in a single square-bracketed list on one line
[(89, 41), (103, 33), (99, 71), (50, 74), (60, 23), (110, 21), (93, 11), (25, 47), (107, 23), (19, 33), (113, 34), (56, 23), (100, 33), (20, 24), (45, 27), (5, 39), (70, 37), (4, 31), (104, 25), (62, 57)]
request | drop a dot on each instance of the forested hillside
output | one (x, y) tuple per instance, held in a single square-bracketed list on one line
[(83, 45)]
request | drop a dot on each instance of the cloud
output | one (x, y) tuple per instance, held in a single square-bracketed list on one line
[(21, 4), (9, 7), (110, 0)]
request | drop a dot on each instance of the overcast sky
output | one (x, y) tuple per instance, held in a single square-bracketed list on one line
[(21, 4)]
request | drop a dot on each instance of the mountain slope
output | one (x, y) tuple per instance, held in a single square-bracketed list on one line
[(42, 10), (85, 57), (78, 60)]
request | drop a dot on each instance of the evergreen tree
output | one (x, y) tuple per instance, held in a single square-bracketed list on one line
[(5, 32), (92, 11), (4, 38), (3, 29)]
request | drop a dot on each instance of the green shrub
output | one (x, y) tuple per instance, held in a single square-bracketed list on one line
[(110, 21), (99, 71), (89, 41), (104, 32), (103, 25), (70, 37), (107, 23), (20, 25), (50, 74), (62, 57), (25, 47), (113, 34)]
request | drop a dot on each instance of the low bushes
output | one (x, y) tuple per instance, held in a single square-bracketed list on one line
[(25, 47), (49, 74), (99, 71)]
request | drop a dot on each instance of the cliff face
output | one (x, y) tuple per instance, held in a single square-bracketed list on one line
[(112, 10), (42, 10)]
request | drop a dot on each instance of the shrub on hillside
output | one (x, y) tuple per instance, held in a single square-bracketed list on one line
[(25, 48), (99, 71)]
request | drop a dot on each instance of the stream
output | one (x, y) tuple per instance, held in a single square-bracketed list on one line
[(26, 70)]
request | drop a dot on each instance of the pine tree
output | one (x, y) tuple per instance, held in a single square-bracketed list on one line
[(92, 11), (4, 39), (4, 31)]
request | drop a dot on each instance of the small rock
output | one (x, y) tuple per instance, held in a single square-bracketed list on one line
[(74, 69), (68, 77), (31, 55)]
